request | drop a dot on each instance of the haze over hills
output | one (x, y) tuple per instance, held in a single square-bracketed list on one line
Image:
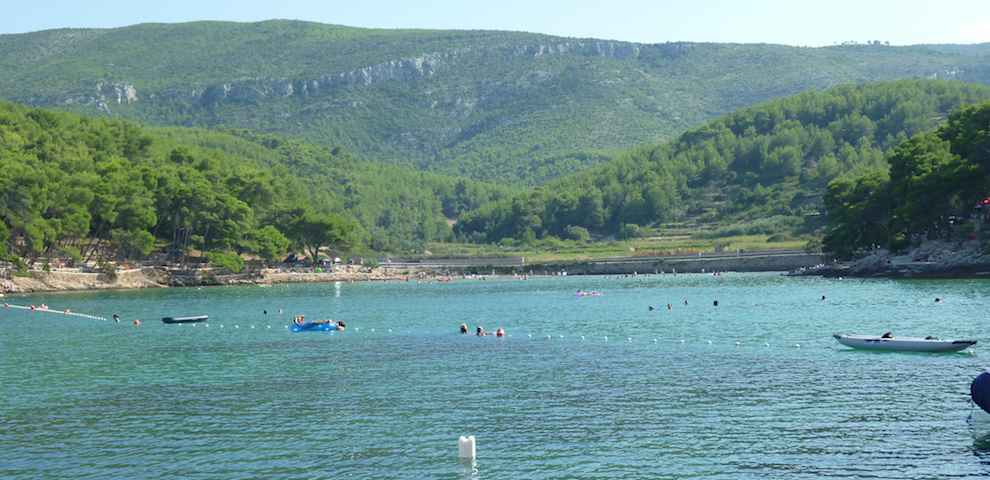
[(492, 105)]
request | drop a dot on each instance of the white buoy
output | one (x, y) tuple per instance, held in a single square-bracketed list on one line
[(606, 338), (682, 340), (269, 327), (530, 335), (466, 447), (766, 344), (797, 345), (629, 339), (737, 344), (372, 330), (237, 326), (709, 342), (582, 338)]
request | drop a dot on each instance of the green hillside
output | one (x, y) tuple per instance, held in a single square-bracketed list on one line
[(101, 188), (927, 190), (761, 170), (490, 105)]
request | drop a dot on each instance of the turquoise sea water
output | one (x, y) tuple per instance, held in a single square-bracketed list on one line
[(244, 398)]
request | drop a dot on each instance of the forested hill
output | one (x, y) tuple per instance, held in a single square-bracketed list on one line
[(490, 105), (80, 187), (764, 168)]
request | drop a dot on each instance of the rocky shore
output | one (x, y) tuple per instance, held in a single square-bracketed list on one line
[(933, 259), (158, 277)]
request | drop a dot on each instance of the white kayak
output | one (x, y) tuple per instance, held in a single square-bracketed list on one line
[(903, 344)]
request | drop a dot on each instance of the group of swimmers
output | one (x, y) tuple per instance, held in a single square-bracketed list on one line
[(480, 331), (670, 306)]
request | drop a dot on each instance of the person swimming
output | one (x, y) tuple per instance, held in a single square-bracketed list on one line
[(499, 332), (481, 331), (888, 334), (341, 325), (116, 318), (464, 328), (715, 303)]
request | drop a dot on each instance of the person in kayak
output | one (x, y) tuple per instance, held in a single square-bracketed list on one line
[(887, 335)]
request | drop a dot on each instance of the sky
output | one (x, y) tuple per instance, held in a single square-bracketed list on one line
[(796, 22)]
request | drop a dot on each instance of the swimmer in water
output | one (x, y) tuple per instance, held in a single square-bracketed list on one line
[(715, 303), (136, 322), (500, 332), (481, 332), (464, 328), (116, 318)]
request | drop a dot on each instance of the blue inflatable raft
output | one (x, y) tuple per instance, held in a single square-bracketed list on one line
[(313, 327)]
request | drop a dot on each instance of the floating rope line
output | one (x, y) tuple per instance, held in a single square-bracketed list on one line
[(45, 309), (657, 340)]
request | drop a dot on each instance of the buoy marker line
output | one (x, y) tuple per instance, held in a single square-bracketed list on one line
[(530, 336)]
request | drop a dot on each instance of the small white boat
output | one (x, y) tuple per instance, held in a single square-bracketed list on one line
[(903, 344)]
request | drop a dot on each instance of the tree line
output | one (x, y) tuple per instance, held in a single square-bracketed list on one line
[(928, 188), (772, 161), (99, 189)]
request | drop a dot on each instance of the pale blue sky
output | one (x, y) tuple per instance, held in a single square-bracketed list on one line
[(797, 22)]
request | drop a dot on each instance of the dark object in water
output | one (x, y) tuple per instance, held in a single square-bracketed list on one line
[(979, 391), (196, 319)]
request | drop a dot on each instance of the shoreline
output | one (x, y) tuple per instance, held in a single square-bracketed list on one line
[(72, 280), (69, 279), (932, 259)]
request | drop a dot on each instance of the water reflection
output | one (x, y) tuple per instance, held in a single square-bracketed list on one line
[(469, 469)]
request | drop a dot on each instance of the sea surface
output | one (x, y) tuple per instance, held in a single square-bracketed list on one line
[(582, 387)]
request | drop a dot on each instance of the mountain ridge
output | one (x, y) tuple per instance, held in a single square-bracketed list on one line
[(487, 104)]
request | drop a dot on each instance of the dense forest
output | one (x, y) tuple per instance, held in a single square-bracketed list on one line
[(764, 168), (929, 188), (101, 189), (506, 106)]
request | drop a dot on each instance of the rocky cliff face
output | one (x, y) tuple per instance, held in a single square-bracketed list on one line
[(107, 94)]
